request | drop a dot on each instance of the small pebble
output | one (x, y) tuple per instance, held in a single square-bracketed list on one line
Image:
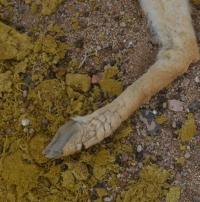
[(140, 165), (175, 105), (96, 78), (25, 130), (118, 175), (25, 122), (125, 157), (45, 122), (187, 110), (148, 118), (174, 124), (122, 24), (99, 48), (130, 44), (31, 131), (22, 110), (194, 106), (187, 155), (25, 93), (143, 133), (184, 174), (154, 112), (197, 79), (108, 198), (139, 148), (183, 98), (164, 105)]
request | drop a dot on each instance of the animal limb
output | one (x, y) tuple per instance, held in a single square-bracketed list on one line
[(171, 21)]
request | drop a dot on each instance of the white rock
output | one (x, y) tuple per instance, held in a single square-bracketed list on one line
[(188, 147), (197, 79), (187, 155), (25, 122), (108, 198), (139, 148), (154, 112)]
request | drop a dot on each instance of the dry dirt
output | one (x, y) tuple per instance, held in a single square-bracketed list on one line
[(97, 34)]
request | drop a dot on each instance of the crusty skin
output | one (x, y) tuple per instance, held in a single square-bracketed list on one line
[(172, 23)]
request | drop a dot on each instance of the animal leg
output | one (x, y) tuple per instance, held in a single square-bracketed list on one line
[(171, 21)]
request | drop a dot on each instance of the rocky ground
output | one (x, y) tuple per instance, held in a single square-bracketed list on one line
[(64, 58)]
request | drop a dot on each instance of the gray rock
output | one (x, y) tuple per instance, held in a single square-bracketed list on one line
[(194, 106), (175, 105), (148, 118)]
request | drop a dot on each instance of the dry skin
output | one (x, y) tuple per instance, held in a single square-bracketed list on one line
[(44, 88)]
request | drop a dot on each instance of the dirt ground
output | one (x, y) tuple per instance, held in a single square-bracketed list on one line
[(64, 58)]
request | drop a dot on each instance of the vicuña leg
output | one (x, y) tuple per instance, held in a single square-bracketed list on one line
[(171, 21)]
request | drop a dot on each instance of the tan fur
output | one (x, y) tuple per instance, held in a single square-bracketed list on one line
[(171, 21)]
